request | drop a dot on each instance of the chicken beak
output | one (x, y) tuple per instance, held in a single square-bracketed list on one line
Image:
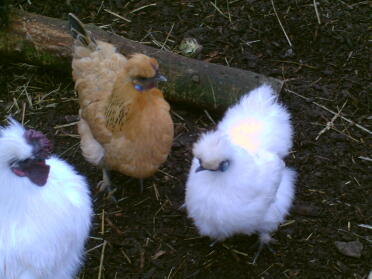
[(161, 78), (200, 168)]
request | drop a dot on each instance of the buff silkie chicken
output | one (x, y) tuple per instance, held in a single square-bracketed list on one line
[(125, 124), (45, 209), (238, 182)]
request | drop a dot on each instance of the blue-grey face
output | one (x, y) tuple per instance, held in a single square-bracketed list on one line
[(222, 167), (146, 83)]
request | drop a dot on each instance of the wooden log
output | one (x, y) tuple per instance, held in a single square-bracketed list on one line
[(42, 40)]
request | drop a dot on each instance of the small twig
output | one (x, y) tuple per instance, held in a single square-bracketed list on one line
[(228, 10), (296, 63), (350, 7), (280, 23), (360, 3), (101, 260), (235, 251), (28, 97), (140, 202), (66, 125), (70, 148), (365, 226), (117, 15), (331, 111), (112, 225), (330, 123), (218, 10), (179, 266), (143, 7), (266, 270), (356, 180), (365, 158), (158, 254), (239, 252), (159, 44), (212, 89), (95, 237), (161, 208), (310, 235), (94, 248), (103, 222), (252, 42), (142, 259), (156, 191), (227, 62), (287, 223), (170, 273), (103, 27), (315, 82), (167, 174), (100, 7), (177, 115), (125, 256), (15, 104), (23, 112), (343, 133), (209, 117), (316, 11), (166, 39), (49, 93)]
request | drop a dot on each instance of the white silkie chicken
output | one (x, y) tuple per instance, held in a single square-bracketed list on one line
[(238, 182), (45, 209)]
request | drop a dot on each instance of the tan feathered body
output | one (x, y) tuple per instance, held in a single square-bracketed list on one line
[(121, 128)]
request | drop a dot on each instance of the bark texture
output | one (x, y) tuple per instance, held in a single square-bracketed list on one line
[(46, 41)]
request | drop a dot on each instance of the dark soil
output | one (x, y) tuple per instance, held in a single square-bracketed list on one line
[(146, 235)]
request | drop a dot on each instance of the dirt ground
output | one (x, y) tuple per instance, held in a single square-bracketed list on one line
[(326, 72)]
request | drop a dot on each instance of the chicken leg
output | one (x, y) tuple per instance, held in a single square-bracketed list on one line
[(105, 184), (264, 241)]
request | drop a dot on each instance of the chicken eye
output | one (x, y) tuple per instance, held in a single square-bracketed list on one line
[(138, 87), (25, 162), (224, 165), (12, 162), (141, 79)]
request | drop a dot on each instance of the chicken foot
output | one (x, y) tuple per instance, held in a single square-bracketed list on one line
[(105, 184), (264, 241)]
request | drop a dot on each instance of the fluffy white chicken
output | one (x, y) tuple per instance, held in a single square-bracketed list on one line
[(45, 209), (238, 182)]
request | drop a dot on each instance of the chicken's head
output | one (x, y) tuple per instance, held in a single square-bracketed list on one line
[(24, 152), (213, 152), (143, 72)]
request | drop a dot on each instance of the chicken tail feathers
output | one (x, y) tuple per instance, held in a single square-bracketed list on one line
[(79, 33)]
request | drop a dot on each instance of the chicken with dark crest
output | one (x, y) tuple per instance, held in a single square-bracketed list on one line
[(34, 167), (46, 205)]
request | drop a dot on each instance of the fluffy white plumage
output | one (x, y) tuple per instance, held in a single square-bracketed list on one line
[(42, 229), (261, 120), (238, 182)]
